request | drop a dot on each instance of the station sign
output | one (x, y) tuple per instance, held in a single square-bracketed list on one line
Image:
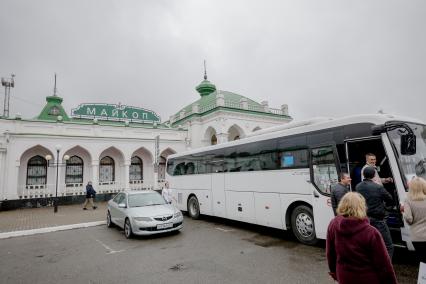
[(115, 112)]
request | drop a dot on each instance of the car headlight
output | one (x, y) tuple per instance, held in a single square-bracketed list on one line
[(144, 219), (177, 214)]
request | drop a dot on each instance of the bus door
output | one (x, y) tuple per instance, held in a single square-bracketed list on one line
[(355, 155), (324, 175)]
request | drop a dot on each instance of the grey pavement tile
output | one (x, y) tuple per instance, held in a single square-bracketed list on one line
[(36, 218)]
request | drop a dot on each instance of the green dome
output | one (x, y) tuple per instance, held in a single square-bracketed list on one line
[(205, 88), (208, 102)]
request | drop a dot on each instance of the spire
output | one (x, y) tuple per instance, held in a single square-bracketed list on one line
[(205, 70), (54, 88), (53, 110)]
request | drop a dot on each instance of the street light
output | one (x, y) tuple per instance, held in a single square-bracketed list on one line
[(57, 164)]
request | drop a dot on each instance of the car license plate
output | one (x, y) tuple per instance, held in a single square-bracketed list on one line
[(164, 226)]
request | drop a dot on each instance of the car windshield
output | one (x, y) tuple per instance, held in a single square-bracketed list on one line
[(145, 199), (411, 165)]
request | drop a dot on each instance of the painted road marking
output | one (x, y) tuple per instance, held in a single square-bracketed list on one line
[(224, 230), (110, 250), (49, 229)]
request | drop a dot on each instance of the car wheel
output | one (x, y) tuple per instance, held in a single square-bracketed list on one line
[(303, 226), (128, 229), (193, 208), (109, 222)]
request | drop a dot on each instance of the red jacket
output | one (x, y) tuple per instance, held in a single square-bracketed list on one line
[(356, 252)]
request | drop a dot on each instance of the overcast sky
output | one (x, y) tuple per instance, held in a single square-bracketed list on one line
[(322, 58)]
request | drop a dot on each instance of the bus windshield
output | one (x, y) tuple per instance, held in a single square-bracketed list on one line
[(411, 165)]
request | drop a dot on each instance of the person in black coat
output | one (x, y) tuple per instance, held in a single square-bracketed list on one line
[(376, 196), (339, 190), (90, 196)]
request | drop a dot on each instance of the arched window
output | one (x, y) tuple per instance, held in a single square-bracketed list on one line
[(107, 170), (74, 170), (136, 169), (36, 171), (213, 140)]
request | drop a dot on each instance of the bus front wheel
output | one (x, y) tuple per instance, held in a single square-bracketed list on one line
[(193, 208), (303, 226)]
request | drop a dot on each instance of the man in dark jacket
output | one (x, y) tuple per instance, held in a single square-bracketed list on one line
[(376, 196), (339, 190), (90, 196)]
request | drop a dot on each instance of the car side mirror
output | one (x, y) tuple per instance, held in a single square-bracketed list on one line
[(122, 205), (408, 144)]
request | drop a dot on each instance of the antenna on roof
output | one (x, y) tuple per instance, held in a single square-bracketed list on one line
[(54, 88), (205, 70)]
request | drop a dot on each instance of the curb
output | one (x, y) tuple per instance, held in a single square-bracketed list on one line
[(49, 229)]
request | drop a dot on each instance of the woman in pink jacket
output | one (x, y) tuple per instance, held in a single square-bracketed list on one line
[(356, 252)]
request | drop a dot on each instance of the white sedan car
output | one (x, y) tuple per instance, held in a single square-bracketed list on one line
[(143, 213)]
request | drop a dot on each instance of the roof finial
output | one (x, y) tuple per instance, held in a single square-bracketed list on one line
[(205, 70), (54, 88)]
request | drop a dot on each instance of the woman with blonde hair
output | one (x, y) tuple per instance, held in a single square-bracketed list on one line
[(414, 212), (356, 252)]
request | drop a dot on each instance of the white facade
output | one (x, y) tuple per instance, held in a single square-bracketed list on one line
[(226, 126), (105, 149), (21, 140)]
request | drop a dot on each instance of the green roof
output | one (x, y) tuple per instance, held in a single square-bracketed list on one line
[(53, 109), (229, 97)]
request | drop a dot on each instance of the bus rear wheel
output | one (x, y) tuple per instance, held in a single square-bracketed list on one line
[(303, 226), (193, 208)]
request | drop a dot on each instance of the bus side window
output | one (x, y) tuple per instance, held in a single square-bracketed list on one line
[(179, 169), (293, 158), (324, 169)]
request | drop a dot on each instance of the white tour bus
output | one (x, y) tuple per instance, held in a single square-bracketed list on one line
[(281, 177)]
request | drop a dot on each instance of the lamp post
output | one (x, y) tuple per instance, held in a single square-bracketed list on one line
[(57, 164)]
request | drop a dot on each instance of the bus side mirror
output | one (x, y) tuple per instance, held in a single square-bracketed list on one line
[(408, 144)]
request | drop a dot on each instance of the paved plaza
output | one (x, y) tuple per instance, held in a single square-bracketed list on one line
[(210, 250), (39, 218)]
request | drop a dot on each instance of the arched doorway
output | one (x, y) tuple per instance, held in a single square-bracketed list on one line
[(210, 136), (235, 132)]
